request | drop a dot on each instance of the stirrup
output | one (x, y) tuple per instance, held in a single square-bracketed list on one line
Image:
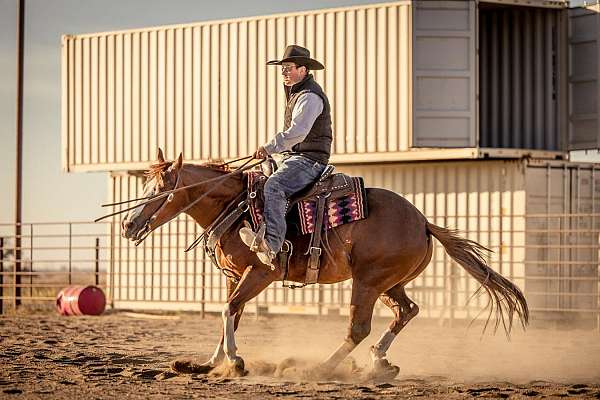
[(258, 239)]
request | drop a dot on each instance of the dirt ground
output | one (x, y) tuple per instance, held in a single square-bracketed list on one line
[(124, 355)]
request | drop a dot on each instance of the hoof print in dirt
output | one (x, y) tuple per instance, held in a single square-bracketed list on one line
[(165, 375), (189, 367), (148, 374)]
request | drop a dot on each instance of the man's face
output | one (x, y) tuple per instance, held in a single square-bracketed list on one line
[(292, 74)]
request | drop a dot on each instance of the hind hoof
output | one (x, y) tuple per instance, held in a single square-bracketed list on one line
[(190, 367), (383, 370)]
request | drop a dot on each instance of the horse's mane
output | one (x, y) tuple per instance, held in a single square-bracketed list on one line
[(217, 164), (157, 170)]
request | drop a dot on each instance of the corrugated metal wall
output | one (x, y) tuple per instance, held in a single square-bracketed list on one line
[(204, 88), (485, 199), (518, 83)]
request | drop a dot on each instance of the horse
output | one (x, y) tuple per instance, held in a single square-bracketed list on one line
[(381, 254)]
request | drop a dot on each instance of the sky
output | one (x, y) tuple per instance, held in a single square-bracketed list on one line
[(48, 193)]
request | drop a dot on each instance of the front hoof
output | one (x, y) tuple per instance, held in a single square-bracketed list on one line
[(238, 366), (383, 370), (234, 368), (190, 367)]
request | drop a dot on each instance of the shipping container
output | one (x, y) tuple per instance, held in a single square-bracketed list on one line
[(408, 80), (540, 218)]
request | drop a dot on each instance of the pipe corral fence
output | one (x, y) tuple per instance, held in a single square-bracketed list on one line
[(557, 269)]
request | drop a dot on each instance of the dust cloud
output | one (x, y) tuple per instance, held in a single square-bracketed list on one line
[(426, 348)]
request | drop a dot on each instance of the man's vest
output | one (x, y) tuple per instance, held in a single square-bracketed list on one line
[(317, 144)]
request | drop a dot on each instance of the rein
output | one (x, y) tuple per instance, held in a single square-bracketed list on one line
[(170, 193), (152, 197)]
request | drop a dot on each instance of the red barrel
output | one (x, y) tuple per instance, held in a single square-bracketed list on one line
[(81, 300)]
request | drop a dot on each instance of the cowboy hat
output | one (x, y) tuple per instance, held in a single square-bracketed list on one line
[(299, 56)]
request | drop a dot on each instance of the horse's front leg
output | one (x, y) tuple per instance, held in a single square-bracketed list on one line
[(187, 366), (219, 353), (254, 280)]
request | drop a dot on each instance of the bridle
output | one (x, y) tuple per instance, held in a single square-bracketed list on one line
[(147, 230), (169, 195)]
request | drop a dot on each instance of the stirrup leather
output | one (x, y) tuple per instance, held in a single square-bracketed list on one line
[(258, 239)]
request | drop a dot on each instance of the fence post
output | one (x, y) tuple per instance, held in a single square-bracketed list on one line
[(111, 277), (70, 251), (97, 269), (31, 260), (17, 268), (320, 301), (203, 290), (1, 275), (257, 307)]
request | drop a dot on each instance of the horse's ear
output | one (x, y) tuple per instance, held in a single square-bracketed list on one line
[(179, 162), (160, 156)]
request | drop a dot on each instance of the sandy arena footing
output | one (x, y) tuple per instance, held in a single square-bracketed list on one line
[(122, 355)]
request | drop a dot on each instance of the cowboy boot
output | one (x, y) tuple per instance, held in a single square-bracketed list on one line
[(257, 244), (250, 238)]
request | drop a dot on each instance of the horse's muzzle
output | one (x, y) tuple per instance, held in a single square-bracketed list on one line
[(129, 229)]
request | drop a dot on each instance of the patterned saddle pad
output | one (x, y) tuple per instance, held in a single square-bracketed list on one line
[(352, 206)]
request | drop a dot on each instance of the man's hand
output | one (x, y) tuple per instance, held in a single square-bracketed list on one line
[(261, 153)]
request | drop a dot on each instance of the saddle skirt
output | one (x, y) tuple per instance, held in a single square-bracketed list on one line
[(346, 202)]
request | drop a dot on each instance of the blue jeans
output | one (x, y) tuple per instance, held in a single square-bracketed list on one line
[(294, 174)]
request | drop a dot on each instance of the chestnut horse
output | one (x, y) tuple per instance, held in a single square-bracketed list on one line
[(381, 254)]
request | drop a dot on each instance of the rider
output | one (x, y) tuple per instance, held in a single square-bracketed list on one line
[(305, 144)]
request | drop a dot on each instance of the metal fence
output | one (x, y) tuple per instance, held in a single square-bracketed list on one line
[(553, 257), (53, 255)]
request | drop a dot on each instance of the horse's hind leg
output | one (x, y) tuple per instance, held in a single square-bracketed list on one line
[(361, 312), (404, 310)]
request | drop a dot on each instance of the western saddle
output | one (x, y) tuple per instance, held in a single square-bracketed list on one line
[(329, 186)]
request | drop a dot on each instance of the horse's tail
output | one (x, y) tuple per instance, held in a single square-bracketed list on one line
[(505, 297)]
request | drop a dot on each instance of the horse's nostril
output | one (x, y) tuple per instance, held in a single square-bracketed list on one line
[(126, 225)]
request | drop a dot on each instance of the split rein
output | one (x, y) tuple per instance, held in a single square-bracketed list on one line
[(170, 193)]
